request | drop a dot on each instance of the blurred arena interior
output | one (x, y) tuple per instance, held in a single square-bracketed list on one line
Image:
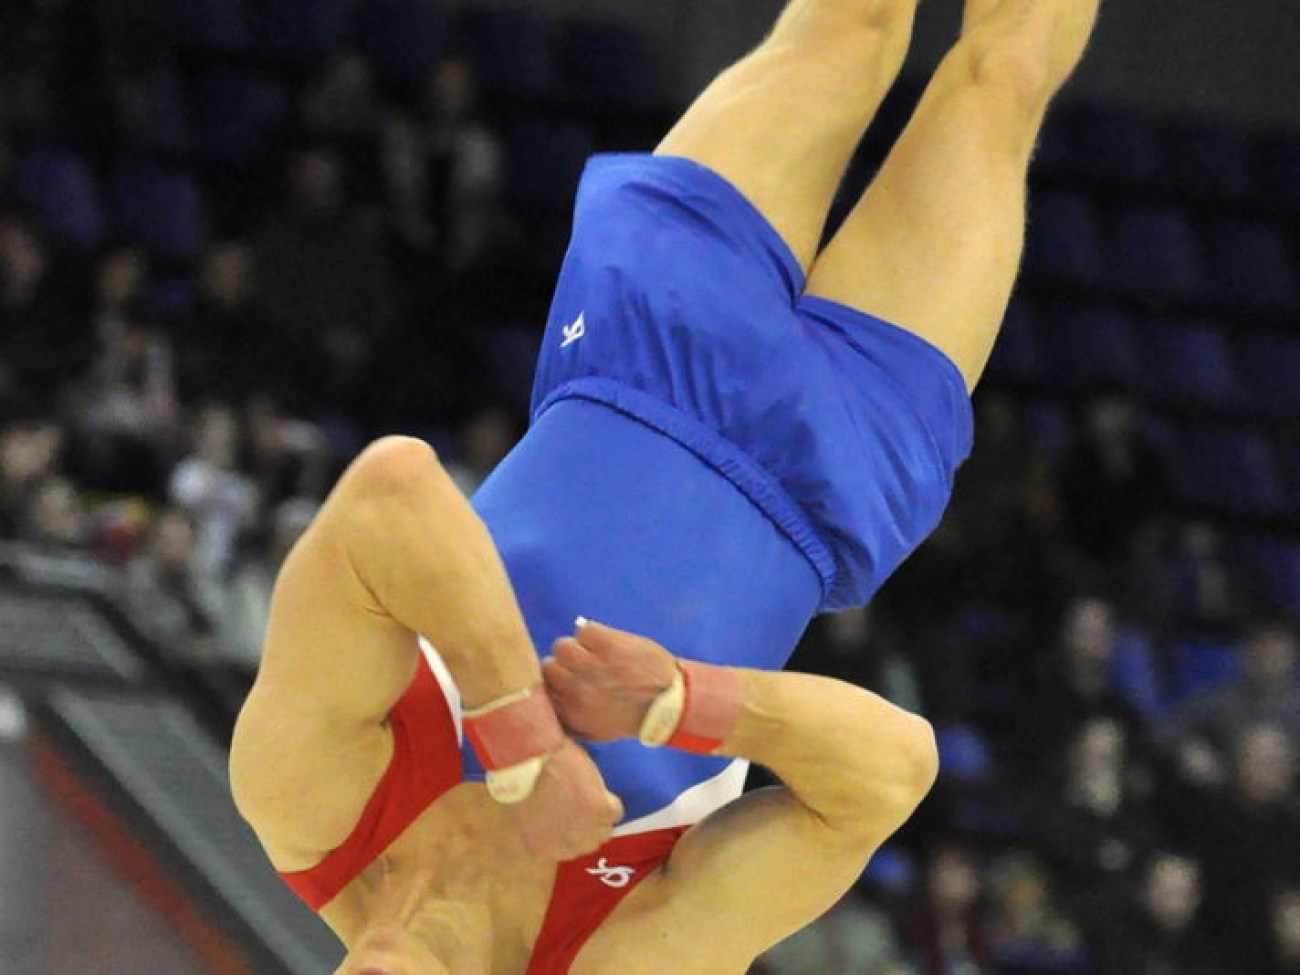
[(240, 239)]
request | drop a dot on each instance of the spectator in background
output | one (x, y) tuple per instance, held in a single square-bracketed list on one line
[(30, 449), (1162, 933), (324, 282), (1076, 685), (167, 600), (55, 520), (320, 261), (127, 413), (1285, 918), (1005, 506), (1189, 581), (481, 444), (42, 344), (228, 348), (338, 109), (950, 928), (1247, 834), (1093, 828), (246, 605), (211, 489), (1029, 928), (1113, 482), (852, 938), (854, 646), (445, 170), (1200, 733)]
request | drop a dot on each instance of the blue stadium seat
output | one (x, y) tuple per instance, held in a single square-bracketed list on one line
[(1228, 468), (163, 210), (299, 32), (1114, 145), (61, 191), (1092, 347), (509, 46), (1268, 365), (512, 353), (1204, 160), (1277, 169), (1275, 565), (1135, 675), (1016, 356), (1190, 360), (607, 62), (171, 300), (546, 160), (1064, 242), (1156, 253), (1049, 422), (1253, 264), (211, 24), (964, 756), (402, 38), (1201, 665), (236, 110)]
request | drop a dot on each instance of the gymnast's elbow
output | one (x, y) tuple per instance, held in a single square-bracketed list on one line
[(895, 767)]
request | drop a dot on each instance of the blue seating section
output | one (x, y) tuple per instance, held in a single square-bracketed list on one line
[(1156, 252), (161, 210), (61, 191)]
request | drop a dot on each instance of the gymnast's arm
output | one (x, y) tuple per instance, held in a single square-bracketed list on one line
[(854, 768), (395, 551)]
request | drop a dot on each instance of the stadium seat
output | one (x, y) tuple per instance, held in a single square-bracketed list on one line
[(1230, 469), (1051, 426), (1016, 356), (1275, 568), (1268, 366), (1190, 360), (1092, 346), (1114, 145), (509, 46), (1064, 242), (606, 62), (1202, 160), (402, 39), (61, 191), (299, 32), (1155, 253), (546, 160), (162, 210), (964, 755), (1135, 675), (236, 110), (1253, 264), (217, 25), (170, 300), (1277, 169), (1201, 665)]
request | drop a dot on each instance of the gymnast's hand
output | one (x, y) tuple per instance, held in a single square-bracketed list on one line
[(569, 813), (602, 680)]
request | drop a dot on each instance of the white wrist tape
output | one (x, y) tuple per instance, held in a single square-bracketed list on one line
[(664, 714)]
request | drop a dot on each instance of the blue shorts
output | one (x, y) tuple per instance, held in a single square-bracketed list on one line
[(680, 305)]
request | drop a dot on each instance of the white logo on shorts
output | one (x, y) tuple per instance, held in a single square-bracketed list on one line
[(611, 876), (575, 331)]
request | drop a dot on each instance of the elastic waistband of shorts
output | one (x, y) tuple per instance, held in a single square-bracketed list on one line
[(758, 486)]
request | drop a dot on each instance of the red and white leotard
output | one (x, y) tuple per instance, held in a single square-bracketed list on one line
[(426, 763)]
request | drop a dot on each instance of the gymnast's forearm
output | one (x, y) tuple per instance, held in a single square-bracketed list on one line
[(428, 561), (851, 757)]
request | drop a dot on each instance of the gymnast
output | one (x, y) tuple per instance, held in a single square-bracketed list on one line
[(733, 428)]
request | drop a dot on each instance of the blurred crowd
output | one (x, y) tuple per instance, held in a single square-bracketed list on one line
[(1116, 704), (1118, 718)]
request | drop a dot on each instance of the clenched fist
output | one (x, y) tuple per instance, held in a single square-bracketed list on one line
[(602, 680)]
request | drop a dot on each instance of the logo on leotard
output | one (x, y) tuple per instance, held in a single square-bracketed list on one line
[(611, 876), (575, 331)]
